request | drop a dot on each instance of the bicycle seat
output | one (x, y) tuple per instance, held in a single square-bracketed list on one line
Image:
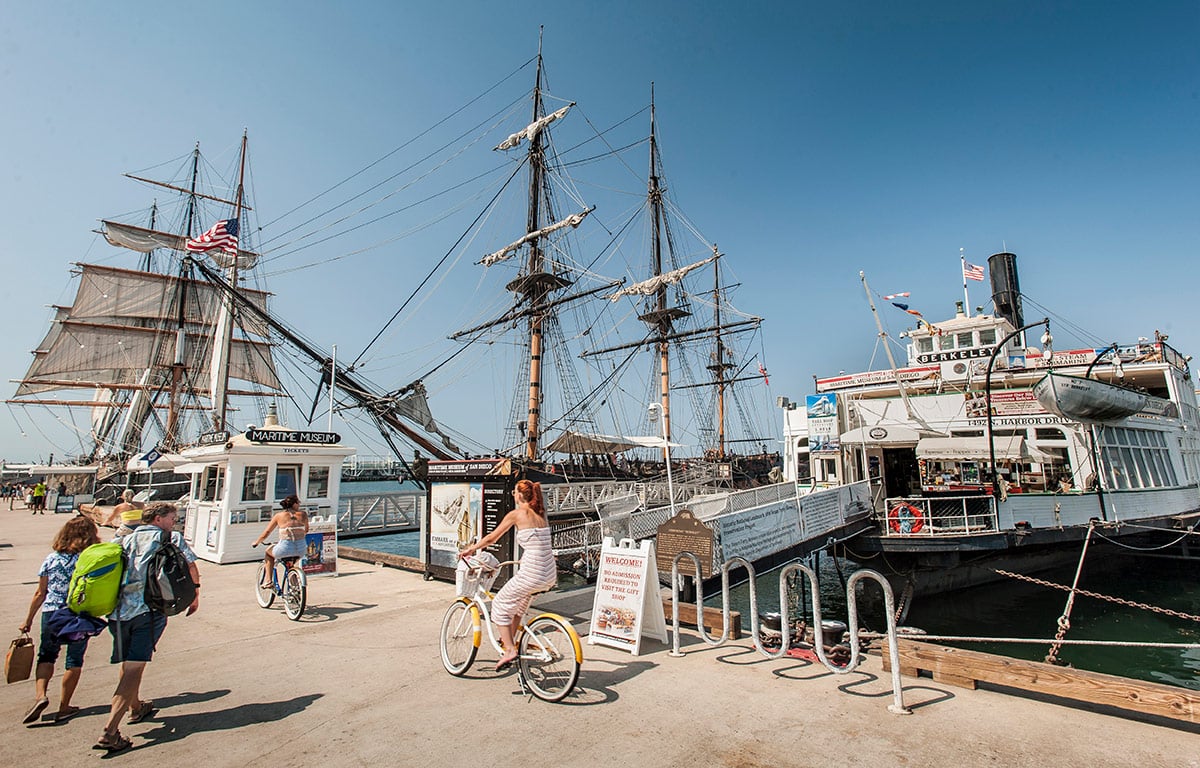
[(289, 561)]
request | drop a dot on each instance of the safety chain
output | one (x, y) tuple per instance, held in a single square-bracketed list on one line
[(1098, 596)]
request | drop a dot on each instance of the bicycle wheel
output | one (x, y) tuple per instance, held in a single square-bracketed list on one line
[(295, 593), (264, 595), (547, 658), (460, 637)]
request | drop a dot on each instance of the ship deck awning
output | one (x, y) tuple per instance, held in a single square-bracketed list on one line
[(580, 442), (1007, 447), (880, 435)]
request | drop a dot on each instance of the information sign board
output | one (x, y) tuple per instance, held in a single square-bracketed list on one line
[(684, 533), (320, 547), (627, 604)]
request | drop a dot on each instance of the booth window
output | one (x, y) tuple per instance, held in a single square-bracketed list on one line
[(287, 480), (318, 482), (254, 485), (212, 486)]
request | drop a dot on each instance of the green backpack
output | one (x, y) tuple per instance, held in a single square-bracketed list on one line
[(96, 582)]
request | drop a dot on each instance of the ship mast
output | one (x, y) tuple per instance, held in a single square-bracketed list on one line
[(171, 430), (719, 365), (661, 317), (220, 361)]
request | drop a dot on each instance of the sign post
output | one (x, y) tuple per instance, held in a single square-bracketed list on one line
[(627, 604)]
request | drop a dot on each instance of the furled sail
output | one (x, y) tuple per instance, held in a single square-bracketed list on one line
[(647, 287), (505, 253), (533, 128), (145, 240)]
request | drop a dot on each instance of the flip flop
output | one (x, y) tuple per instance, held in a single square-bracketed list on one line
[(36, 711), (63, 715)]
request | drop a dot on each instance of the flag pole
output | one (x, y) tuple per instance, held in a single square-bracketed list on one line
[(966, 299)]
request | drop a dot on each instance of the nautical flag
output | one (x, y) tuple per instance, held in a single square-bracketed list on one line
[(898, 305), (763, 371), (891, 296), (972, 272), (222, 235)]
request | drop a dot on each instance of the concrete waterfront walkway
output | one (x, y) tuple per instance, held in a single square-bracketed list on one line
[(368, 689)]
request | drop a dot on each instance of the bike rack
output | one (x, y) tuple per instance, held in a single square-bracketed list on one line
[(896, 707)]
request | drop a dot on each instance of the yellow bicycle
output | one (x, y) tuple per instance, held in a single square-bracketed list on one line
[(549, 653)]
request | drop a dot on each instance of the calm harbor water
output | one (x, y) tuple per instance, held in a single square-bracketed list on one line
[(1006, 609)]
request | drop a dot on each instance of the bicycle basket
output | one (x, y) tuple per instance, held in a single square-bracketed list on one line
[(467, 578)]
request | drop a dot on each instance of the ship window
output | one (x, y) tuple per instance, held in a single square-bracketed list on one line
[(1050, 433), (254, 484), (287, 480), (1146, 479), (946, 342), (925, 345), (318, 482), (964, 340), (987, 337), (212, 484)]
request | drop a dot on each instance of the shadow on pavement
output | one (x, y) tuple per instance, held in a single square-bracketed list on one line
[(331, 612), (175, 727)]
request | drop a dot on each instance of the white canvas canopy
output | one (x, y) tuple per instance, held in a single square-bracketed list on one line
[(578, 442)]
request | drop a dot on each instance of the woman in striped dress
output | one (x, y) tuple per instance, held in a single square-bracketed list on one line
[(537, 571)]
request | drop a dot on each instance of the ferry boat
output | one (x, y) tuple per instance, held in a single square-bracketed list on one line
[(985, 453)]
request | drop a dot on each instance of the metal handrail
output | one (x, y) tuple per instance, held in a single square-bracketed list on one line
[(939, 515), (896, 707)]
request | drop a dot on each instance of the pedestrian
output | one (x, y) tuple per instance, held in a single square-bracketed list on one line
[(54, 578), (128, 513), (134, 627), (39, 498)]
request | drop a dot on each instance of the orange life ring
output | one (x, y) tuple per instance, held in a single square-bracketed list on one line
[(905, 518)]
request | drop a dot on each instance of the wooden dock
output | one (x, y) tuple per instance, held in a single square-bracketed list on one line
[(966, 669)]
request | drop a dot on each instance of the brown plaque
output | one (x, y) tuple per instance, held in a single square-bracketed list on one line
[(684, 533)]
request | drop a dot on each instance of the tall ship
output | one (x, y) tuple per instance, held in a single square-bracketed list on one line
[(178, 347), (987, 449), (607, 370)]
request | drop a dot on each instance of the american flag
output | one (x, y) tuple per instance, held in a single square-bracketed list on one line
[(972, 272), (222, 235), (891, 296)]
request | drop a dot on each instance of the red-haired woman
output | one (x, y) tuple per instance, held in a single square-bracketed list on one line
[(537, 572), (53, 579)]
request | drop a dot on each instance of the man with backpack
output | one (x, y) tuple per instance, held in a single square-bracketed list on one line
[(160, 579)]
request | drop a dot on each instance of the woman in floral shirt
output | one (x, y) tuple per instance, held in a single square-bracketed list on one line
[(54, 579)]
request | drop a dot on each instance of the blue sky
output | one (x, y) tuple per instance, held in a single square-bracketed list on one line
[(809, 140)]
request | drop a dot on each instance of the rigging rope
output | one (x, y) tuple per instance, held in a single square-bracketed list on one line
[(436, 267), (507, 77), (1064, 621)]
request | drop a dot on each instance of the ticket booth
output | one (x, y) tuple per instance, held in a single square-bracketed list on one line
[(467, 500), (238, 482)]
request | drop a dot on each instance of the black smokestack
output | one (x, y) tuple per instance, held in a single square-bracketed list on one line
[(1006, 289)]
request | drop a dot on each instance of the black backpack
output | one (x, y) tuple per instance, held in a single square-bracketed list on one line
[(169, 586)]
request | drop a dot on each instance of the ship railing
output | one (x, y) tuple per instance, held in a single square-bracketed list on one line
[(640, 519), (374, 512), (566, 498), (787, 639), (939, 515)]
